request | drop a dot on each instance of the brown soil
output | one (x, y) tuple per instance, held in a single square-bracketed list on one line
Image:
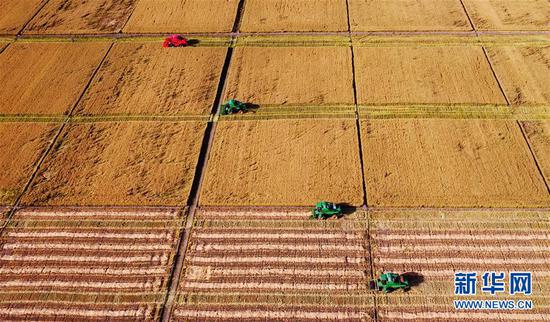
[(152, 16), (137, 163), (437, 75), (283, 162), (524, 73), (538, 133), (16, 13), (294, 15), (36, 73), (43, 282), (148, 79), (305, 75), (81, 17), (22, 145), (407, 15), (509, 14), (449, 163)]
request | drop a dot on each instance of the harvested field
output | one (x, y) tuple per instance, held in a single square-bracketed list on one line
[(283, 162), (16, 13), (538, 134), (524, 73), (22, 145), (144, 78), (36, 73), (81, 17), (449, 163), (509, 14), (276, 265), (87, 264), (291, 75), (131, 163), (294, 15), (407, 15), (152, 16), (425, 75), (436, 244)]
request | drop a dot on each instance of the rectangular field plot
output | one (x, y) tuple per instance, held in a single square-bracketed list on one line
[(538, 134), (16, 13), (22, 145), (46, 78), (131, 163), (87, 264), (294, 15), (509, 14), (407, 15), (81, 17), (283, 162), (275, 265), (425, 75), (291, 75), (153, 16), (144, 78), (449, 163), (524, 73), (430, 246)]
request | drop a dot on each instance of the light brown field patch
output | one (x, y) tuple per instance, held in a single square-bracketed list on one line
[(283, 162), (46, 78), (87, 264), (81, 17), (449, 163), (407, 15), (538, 134), (424, 75), (294, 15), (279, 76), (22, 145), (152, 16), (131, 163), (144, 78), (16, 13), (509, 14), (524, 73)]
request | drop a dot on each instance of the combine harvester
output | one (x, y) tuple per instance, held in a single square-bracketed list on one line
[(325, 210), (388, 282), (233, 107)]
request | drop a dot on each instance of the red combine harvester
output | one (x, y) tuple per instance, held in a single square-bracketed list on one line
[(175, 41)]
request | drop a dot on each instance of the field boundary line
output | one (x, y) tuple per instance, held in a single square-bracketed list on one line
[(129, 16), (534, 156), (52, 144), (32, 18), (200, 170), (468, 16)]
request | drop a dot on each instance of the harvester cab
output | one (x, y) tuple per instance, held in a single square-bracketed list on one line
[(390, 281), (175, 41), (232, 107), (325, 210)]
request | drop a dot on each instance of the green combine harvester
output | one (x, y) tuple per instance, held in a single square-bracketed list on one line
[(325, 210), (233, 107), (390, 281)]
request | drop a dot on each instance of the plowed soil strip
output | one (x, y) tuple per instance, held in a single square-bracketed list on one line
[(125, 259)]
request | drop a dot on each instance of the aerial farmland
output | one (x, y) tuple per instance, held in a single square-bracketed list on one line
[(224, 160)]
